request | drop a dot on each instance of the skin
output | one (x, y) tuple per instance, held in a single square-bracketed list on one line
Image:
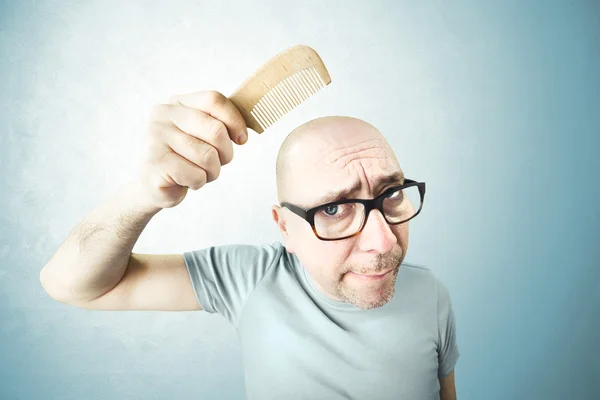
[(333, 153)]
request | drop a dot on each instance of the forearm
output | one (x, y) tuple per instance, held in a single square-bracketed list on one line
[(448, 388), (95, 255)]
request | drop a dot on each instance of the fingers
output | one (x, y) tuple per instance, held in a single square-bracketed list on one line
[(196, 124), (168, 138), (172, 169), (190, 139), (218, 106)]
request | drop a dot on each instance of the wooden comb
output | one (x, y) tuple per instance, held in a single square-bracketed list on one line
[(280, 85)]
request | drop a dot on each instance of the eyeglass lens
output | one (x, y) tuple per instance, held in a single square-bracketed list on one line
[(341, 220)]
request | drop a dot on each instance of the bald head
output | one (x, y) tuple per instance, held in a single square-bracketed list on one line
[(333, 159), (322, 142)]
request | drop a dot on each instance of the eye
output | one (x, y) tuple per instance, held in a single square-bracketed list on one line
[(331, 210)]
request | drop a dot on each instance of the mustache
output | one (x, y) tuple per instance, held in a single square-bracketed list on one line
[(381, 264)]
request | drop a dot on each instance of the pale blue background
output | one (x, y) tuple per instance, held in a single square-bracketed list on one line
[(496, 105)]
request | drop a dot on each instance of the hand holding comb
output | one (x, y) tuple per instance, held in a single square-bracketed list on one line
[(191, 138), (280, 85)]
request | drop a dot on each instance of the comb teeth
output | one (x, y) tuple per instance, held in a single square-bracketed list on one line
[(279, 86), (286, 95)]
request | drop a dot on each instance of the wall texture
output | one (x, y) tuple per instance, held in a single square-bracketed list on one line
[(496, 105)]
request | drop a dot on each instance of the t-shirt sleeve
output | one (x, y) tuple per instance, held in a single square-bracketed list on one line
[(223, 277), (447, 347)]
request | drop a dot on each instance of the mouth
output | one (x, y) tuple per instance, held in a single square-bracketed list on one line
[(371, 277)]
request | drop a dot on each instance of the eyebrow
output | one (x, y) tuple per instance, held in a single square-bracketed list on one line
[(393, 179)]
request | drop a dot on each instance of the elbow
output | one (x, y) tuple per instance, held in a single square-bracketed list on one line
[(49, 287), (60, 291), (44, 280)]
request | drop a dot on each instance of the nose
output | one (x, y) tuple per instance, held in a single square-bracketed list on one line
[(377, 235)]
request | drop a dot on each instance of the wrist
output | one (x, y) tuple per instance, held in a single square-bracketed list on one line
[(139, 199)]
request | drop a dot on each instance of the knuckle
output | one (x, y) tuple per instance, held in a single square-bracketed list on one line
[(198, 181), (215, 98), (217, 130), (197, 117), (227, 158), (238, 121), (210, 156), (212, 174), (211, 164), (215, 172)]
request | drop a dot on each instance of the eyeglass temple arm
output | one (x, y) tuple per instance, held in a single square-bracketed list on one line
[(296, 210)]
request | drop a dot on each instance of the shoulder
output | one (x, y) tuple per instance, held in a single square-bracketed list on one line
[(245, 253), (418, 273), (421, 272), (425, 279), (417, 268)]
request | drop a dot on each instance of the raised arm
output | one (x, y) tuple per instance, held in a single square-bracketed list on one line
[(189, 140)]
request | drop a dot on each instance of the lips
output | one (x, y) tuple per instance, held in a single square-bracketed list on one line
[(371, 277)]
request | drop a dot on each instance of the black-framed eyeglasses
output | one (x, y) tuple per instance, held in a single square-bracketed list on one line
[(346, 218)]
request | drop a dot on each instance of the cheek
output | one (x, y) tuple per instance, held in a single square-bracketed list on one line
[(321, 258), (325, 256), (401, 233), (334, 255)]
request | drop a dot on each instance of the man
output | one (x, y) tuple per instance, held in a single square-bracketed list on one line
[(333, 312)]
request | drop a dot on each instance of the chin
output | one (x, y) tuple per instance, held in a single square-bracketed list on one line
[(366, 303), (366, 297)]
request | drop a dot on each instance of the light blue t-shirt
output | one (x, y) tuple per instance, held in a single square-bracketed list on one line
[(298, 344)]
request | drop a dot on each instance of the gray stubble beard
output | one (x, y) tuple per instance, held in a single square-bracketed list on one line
[(385, 262)]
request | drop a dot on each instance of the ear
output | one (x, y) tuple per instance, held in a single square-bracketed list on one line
[(279, 218)]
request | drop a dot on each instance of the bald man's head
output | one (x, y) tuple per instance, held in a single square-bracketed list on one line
[(311, 142), (341, 158)]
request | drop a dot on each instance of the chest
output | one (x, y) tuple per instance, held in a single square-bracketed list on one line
[(303, 351)]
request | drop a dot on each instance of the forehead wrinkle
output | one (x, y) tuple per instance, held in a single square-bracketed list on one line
[(335, 194), (355, 162), (355, 153)]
